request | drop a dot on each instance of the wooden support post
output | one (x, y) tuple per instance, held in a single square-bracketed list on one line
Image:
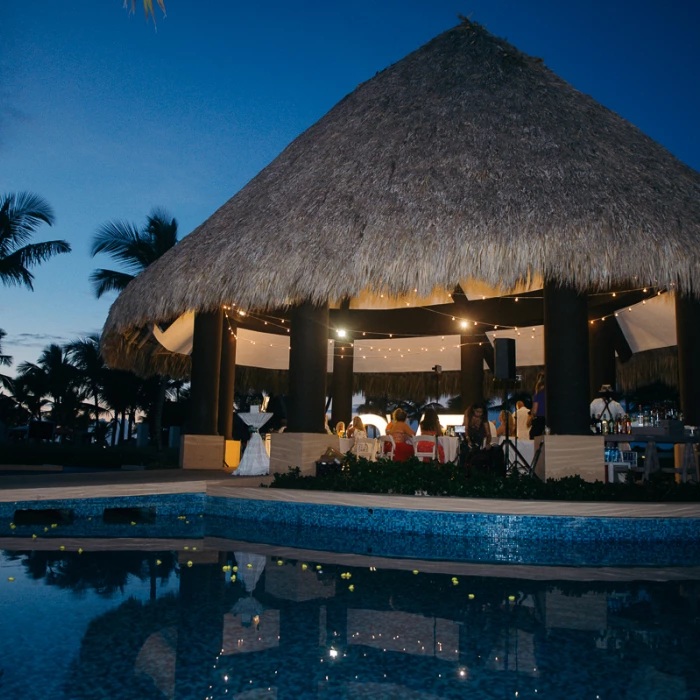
[(688, 338), (206, 364), (567, 404), (472, 371), (227, 381), (308, 360), (341, 409)]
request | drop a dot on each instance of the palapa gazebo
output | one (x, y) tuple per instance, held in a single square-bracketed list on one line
[(465, 162)]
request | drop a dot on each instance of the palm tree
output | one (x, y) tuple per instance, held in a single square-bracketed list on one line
[(5, 361), (20, 215), (55, 377), (136, 250), (29, 391), (121, 391), (85, 355)]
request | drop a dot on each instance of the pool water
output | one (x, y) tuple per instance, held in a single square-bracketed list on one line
[(265, 623)]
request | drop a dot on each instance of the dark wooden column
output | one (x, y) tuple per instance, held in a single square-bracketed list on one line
[(601, 353), (567, 404), (688, 338), (206, 363), (343, 353), (308, 359), (200, 624), (227, 380), (471, 371)]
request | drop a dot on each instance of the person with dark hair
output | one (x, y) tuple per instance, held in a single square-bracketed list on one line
[(476, 452), (477, 431), (430, 425), (401, 431)]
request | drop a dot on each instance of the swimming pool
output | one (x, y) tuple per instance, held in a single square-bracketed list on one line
[(216, 618)]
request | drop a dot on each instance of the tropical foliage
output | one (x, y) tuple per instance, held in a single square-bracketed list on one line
[(414, 477), (148, 8), (135, 249), (5, 361), (71, 386), (20, 215)]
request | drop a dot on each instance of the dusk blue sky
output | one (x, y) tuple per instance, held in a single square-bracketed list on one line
[(106, 118)]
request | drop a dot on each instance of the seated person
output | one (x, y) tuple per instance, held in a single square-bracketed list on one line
[(340, 429), (430, 425), (502, 417), (400, 430), (605, 405), (326, 426), (356, 429), (476, 452)]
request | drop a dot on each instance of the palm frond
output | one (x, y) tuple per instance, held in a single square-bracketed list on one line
[(20, 215), (13, 272), (123, 242), (7, 383), (36, 253), (162, 231), (147, 8), (104, 281), (5, 360)]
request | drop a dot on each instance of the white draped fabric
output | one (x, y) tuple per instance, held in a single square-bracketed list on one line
[(256, 461), (646, 326), (250, 568)]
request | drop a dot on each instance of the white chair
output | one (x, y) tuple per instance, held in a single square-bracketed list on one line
[(383, 441), (366, 447), (420, 441)]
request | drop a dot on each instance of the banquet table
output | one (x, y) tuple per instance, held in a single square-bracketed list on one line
[(526, 448), (256, 461), (450, 446), (346, 444)]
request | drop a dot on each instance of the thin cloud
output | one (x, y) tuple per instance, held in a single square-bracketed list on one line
[(34, 340)]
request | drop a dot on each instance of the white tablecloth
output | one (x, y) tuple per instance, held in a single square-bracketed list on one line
[(450, 446), (256, 461), (526, 448), (346, 444)]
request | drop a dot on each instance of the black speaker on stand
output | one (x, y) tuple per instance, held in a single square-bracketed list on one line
[(504, 359)]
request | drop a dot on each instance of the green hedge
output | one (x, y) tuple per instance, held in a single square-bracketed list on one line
[(415, 477)]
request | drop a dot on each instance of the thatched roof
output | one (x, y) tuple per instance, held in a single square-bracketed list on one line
[(465, 159)]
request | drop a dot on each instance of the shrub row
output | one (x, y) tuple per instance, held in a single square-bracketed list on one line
[(415, 477)]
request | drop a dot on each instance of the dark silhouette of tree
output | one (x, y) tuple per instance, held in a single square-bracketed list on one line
[(135, 249), (86, 357), (20, 215)]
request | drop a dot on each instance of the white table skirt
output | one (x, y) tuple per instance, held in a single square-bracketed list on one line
[(256, 461), (450, 446), (525, 447)]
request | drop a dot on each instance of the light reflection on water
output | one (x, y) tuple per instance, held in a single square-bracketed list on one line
[(216, 624)]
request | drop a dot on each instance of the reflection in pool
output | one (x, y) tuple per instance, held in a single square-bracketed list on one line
[(247, 625)]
